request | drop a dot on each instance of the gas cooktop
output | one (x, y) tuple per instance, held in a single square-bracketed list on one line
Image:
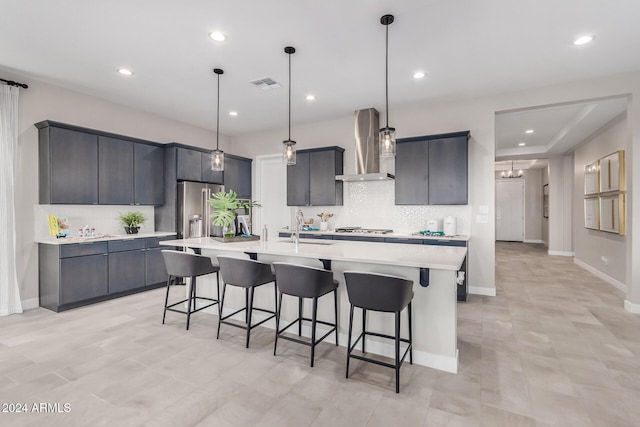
[(363, 230)]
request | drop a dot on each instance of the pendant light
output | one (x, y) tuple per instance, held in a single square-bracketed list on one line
[(511, 173), (288, 146), (217, 155), (387, 133)]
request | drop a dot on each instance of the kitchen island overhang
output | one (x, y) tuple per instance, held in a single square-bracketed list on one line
[(434, 313)]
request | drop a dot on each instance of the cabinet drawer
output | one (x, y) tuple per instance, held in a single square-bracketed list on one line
[(126, 245), (405, 241), (82, 249), (359, 238), (315, 236), (154, 242), (445, 242)]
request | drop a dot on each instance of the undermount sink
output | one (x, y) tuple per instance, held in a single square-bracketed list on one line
[(307, 242)]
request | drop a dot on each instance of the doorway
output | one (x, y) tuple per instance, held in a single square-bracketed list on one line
[(271, 193), (510, 210)]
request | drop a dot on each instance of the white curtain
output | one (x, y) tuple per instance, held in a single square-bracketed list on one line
[(9, 292)]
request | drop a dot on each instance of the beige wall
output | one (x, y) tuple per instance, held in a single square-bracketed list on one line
[(592, 245), (545, 221), (47, 102)]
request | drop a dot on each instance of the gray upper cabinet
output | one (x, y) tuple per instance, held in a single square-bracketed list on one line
[(312, 180), (148, 163), (68, 166), (115, 171), (85, 166), (432, 170), (189, 165), (412, 175), (237, 175), (448, 171)]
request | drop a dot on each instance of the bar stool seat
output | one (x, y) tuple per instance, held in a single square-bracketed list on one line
[(182, 265), (247, 274), (304, 282), (383, 293)]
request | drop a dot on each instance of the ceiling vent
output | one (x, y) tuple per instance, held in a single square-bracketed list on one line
[(266, 83)]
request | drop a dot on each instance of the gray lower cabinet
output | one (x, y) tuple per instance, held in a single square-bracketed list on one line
[(432, 170), (73, 275)]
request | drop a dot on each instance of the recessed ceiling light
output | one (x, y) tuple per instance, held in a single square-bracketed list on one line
[(583, 40), (418, 75), (233, 113), (310, 97), (125, 72), (522, 144), (217, 36), (528, 131)]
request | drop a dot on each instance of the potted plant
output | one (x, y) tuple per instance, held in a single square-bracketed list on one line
[(225, 205), (132, 221)]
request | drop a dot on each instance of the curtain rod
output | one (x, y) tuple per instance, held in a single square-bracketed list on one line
[(12, 83)]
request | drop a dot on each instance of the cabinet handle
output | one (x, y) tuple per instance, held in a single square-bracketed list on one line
[(105, 254), (142, 250)]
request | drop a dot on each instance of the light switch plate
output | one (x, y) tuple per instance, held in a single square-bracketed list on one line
[(483, 209), (482, 219)]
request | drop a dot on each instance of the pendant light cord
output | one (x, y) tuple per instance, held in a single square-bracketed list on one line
[(218, 114), (386, 74), (289, 97)]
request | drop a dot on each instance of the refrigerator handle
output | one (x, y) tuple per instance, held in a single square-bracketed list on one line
[(206, 194)]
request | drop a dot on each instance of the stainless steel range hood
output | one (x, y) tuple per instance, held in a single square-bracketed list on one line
[(367, 126)]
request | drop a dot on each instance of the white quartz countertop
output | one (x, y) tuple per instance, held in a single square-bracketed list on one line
[(104, 238), (458, 237), (398, 254)]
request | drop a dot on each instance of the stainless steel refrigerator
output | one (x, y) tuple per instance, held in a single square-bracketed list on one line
[(193, 203)]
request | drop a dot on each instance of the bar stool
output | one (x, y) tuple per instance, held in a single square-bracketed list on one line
[(183, 264), (248, 274), (384, 293), (305, 282)]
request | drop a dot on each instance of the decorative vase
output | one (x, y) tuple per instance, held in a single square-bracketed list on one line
[(131, 230), (229, 230), (324, 225)]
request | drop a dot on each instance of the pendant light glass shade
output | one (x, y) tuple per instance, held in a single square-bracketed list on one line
[(288, 145), (217, 155), (289, 152), (387, 133)]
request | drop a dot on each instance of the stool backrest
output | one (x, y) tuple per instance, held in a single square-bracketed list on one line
[(378, 292), (183, 264), (244, 272), (303, 281)]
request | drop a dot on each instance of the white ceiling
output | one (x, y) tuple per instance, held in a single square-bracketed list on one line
[(468, 48)]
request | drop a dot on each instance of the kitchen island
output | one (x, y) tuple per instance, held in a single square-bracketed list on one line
[(433, 270)]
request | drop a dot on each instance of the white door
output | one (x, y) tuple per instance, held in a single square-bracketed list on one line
[(271, 193), (510, 210)]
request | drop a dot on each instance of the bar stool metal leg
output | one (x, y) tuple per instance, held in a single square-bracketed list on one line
[(224, 289), (349, 338), (249, 311), (397, 351), (191, 300), (364, 327), (166, 299), (335, 309), (410, 336), (300, 316), (278, 312), (313, 328)]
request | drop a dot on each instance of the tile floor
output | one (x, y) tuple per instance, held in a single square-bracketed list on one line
[(554, 347)]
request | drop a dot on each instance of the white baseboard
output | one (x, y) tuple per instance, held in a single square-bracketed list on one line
[(560, 253), (423, 358), (533, 241), (631, 307), (479, 290), (28, 304), (610, 280)]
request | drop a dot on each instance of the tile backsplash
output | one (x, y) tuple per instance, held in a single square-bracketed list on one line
[(104, 218), (370, 204)]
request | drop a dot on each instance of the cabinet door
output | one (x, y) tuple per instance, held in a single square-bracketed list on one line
[(448, 171), (126, 270), (115, 171), (208, 175), (74, 167), (83, 277), (298, 181), (189, 165), (412, 174), (322, 178), (237, 176), (156, 271), (149, 174)]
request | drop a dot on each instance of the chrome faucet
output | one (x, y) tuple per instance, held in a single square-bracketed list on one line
[(299, 222)]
